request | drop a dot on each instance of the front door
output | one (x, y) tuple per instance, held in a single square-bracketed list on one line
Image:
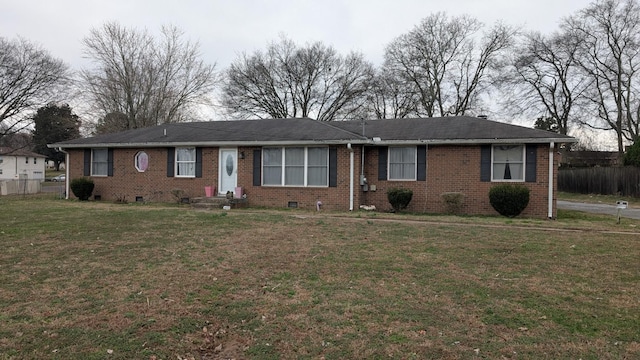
[(228, 170)]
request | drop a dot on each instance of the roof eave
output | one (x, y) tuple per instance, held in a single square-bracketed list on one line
[(319, 142)]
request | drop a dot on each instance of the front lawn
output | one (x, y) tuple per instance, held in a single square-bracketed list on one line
[(91, 280)]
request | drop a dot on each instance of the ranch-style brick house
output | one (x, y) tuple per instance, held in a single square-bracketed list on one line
[(301, 162)]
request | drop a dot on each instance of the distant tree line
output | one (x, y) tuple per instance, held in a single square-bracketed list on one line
[(586, 74)]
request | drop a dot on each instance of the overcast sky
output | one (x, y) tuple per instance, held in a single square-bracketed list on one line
[(227, 28)]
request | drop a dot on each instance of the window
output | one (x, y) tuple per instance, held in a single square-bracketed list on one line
[(318, 167), (295, 166), (99, 162), (272, 166), (508, 163), (141, 161), (35, 161), (26, 160), (402, 163), (185, 162)]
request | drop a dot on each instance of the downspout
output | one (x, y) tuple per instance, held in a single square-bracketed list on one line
[(551, 167), (66, 172), (351, 171)]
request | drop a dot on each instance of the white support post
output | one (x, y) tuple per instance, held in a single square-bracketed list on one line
[(551, 167)]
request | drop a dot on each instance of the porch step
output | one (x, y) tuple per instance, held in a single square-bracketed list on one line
[(209, 202), (215, 202)]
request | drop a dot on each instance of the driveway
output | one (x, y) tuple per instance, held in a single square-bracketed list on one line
[(609, 209)]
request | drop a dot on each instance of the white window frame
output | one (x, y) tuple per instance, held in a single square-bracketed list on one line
[(515, 177), (390, 163), (306, 166), (95, 162), (178, 162)]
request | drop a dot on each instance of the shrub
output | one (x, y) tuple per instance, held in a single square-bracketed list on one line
[(453, 201), (82, 188), (632, 155), (509, 200), (399, 198)]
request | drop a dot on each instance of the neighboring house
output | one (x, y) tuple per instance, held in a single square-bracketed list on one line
[(303, 162), (21, 171), (21, 164)]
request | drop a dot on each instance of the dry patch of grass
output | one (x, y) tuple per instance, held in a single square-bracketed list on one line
[(104, 281)]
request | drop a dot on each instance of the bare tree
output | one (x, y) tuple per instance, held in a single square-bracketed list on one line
[(390, 98), (544, 80), (292, 81), (29, 77), (152, 81), (610, 58), (445, 61)]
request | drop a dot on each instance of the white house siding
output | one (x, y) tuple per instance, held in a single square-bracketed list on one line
[(22, 167)]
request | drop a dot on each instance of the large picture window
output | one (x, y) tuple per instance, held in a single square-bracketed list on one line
[(508, 163), (295, 166), (402, 163), (185, 162), (99, 162)]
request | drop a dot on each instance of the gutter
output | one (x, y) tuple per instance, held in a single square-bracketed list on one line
[(377, 141), (351, 177), (550, 194), (66, 172)]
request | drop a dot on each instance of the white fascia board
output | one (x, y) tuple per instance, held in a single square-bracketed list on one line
[(472, 141), (204, 144), (319, 142)]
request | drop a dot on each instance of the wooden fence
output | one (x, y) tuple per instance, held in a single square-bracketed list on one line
[(22, 186), (601, 180)]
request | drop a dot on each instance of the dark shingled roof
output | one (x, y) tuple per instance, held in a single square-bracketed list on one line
[(459, 129), (7, 151)]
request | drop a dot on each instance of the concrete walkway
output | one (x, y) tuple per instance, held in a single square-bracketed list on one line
[(609, 209)]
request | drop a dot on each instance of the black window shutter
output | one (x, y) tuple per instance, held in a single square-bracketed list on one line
[(109, 162), (198, 162), (485, 163), (382, 162), (530, 165), (333, 167), (422, 163), (171, 153), (87, 162), (257, 167)]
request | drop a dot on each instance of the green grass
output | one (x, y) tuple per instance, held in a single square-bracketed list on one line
[(88, 280)]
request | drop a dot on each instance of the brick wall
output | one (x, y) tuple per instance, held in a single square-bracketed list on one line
[(449, 169), (456, 169)]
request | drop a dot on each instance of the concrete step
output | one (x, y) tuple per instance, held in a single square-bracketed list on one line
[(208, 202)]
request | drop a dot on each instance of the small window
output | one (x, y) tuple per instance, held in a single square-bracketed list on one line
[(508, 163), (185, 162), (402, 163), (35, 161), (99, 162), (141, 161), (26, 160)]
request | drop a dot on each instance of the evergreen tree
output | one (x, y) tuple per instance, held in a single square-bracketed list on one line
[(53, 124)]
